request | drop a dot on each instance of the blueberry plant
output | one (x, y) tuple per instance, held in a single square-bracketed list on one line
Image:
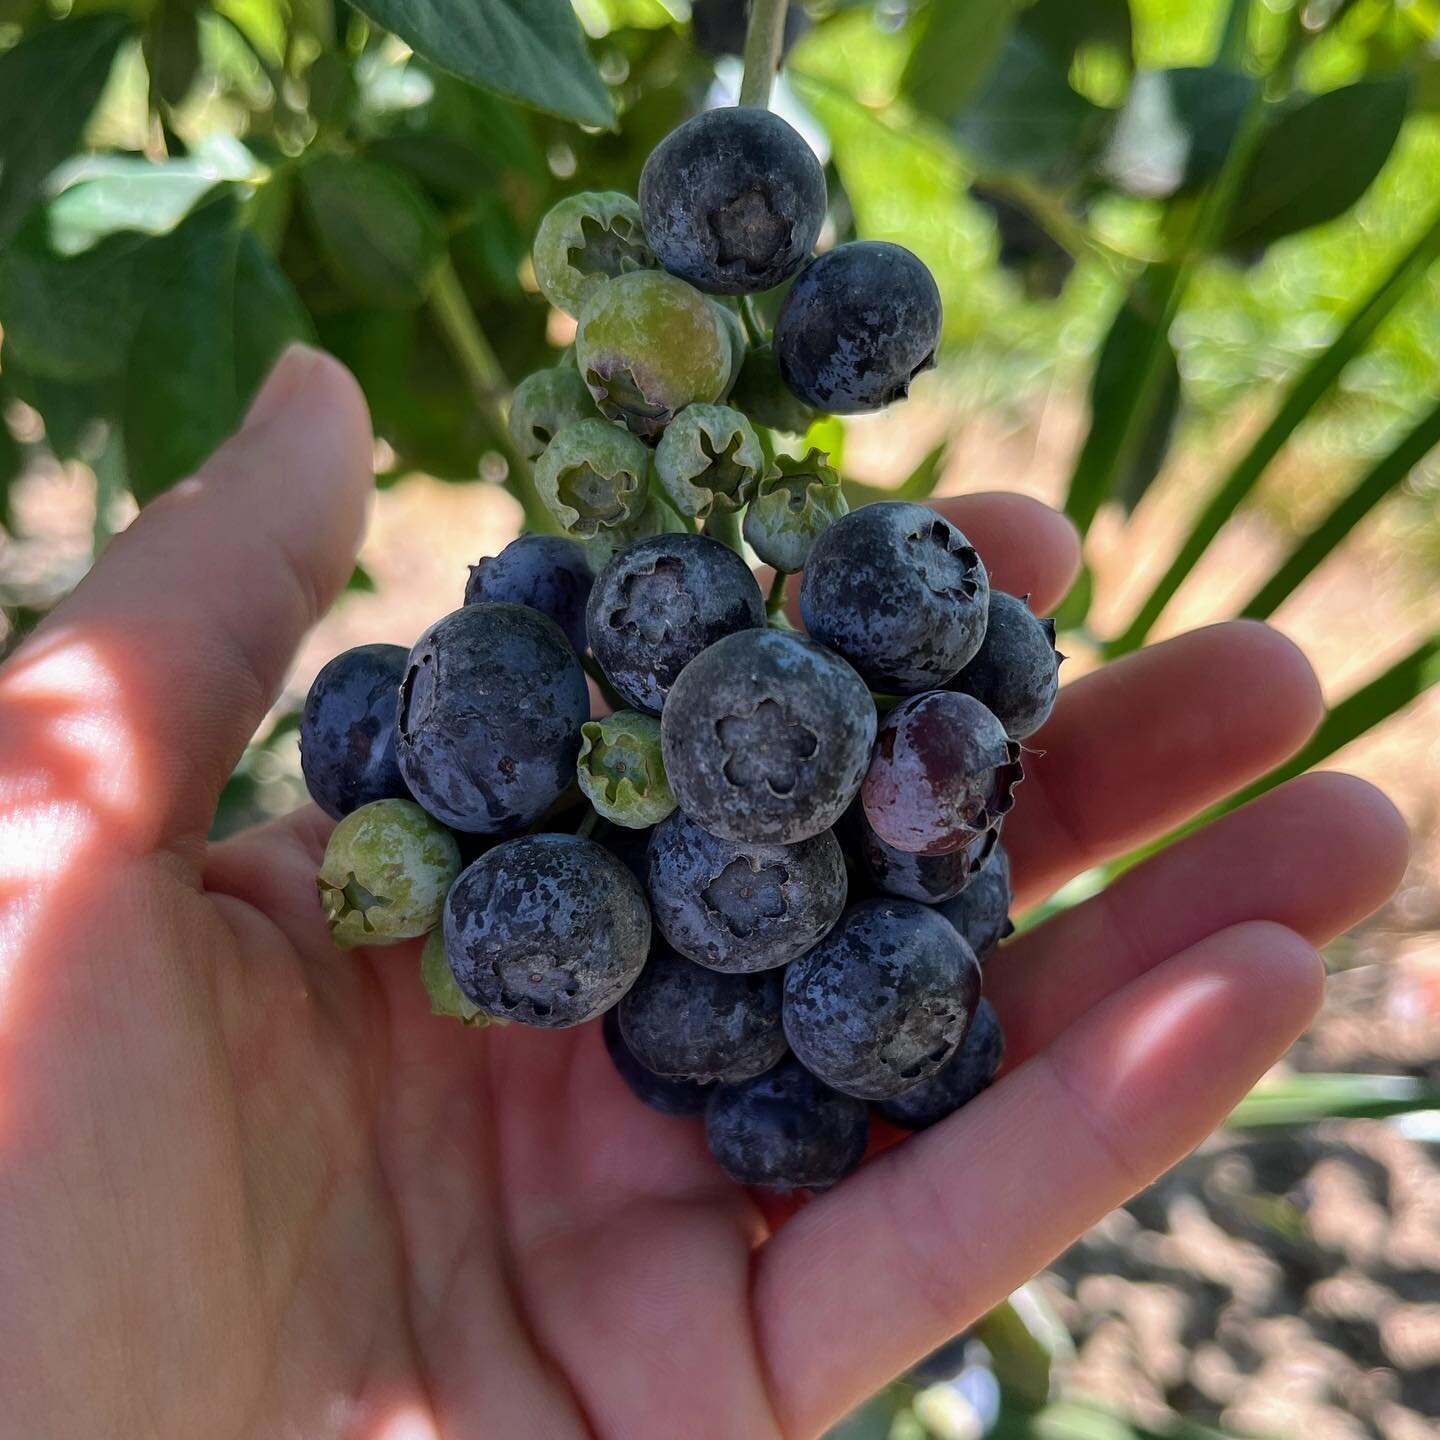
[(557, 264)]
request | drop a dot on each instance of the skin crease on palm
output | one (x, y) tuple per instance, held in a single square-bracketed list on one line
[(250, 1187)]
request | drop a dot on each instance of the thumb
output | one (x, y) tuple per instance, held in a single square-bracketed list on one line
[(129, 706)]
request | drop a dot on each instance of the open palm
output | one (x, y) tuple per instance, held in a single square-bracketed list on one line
[(249, 1186)]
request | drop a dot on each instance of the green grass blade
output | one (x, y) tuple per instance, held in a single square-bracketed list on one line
[(1306, 1099), (1312, 384), (1158, 291), (1373, 486)]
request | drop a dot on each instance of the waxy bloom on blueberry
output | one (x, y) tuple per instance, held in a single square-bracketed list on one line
[(546, 572), (593, 476), (659, 603), (882, 1002), (549, 930), (786, 1130), (733, 200), (858, 325), (649, 345), (622, 771), (584, 241), (684, 1098), (690, 1023), (793, 506), (385, 874), (543, 405), (767, 737), (709, 459), (981, 912), (957, 1082), (742, 907), (899, 592)]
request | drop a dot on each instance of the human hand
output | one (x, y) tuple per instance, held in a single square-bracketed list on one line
[(250, 1186)]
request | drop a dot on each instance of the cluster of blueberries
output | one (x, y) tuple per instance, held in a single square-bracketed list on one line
[(771, 861)]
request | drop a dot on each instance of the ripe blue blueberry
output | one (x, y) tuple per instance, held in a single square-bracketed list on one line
[(689, 1023), (943, 773), (767, 737), (659, 603), (670, 1097), (859, 324), (962, 1077), (733, 200), (981, 913), (347, 730), (742, 907), (546, 572), (1015, 673), (927, 878), (899, 592), (549, 930), (490, 714), (882, 1002), (786, 1130)]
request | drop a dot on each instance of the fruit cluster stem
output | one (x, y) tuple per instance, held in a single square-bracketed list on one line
[(764, 42)]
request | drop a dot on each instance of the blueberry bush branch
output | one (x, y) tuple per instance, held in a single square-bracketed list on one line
[(764, 42)]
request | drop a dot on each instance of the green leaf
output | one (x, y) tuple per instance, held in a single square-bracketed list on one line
[(172, 49), (1372, 487), (105, 194), (1175, 129), (361, 582), (1315, 161), (1307, 1099), (530, 50), (203, 347), (49, 84), (380, 235), (958, 43), (1301, 399), (1027, 117), (72, 317), (1065, 27), (1134, 403)]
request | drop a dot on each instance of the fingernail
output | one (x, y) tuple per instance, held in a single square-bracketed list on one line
[(282, 385)]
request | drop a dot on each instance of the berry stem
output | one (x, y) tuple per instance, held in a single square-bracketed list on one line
[(588, 824), (471, 346), (724, 526), (775, 600), (764, 42)]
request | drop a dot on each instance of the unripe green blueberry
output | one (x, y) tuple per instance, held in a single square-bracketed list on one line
[(793, 505), (446, 997), (385, 874), (593, 476), (584, 241), (657, 518), (735, 332), (765, 397), (649, 345), (544, 404), (622, 770), (709, 458)]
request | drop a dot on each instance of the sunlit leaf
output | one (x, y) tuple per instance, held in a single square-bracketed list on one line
[(530, 50)]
